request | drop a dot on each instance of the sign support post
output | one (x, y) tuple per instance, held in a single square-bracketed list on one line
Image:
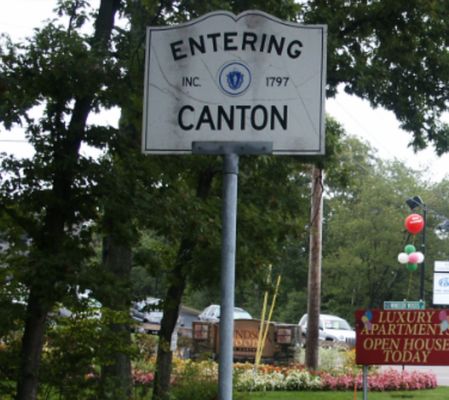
[(228, 84), (230, 151), (228, 252), (365, 382)]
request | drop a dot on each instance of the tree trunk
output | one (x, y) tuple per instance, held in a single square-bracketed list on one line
[(32, 342), (172, 305), (314, 280), (117, 260), (173, 300)]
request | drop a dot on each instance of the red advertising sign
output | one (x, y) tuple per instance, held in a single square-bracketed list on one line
[(412, 337)]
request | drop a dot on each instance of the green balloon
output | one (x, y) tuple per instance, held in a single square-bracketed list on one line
[(409, 249), (412, 267)]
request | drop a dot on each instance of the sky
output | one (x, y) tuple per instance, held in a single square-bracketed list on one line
[(380, 128), (377, 126)]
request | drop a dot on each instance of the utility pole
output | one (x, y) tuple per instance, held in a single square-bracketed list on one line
[(314, 278)]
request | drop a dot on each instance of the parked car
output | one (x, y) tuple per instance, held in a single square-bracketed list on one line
[(85, 305), (212, 313), (147, 311), (331, 328)]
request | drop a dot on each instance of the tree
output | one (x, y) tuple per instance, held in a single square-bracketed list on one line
[(50, 196), (393, 54), (364, 233)]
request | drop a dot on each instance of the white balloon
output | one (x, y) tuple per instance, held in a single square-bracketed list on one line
[(403, 258), (420, 257)]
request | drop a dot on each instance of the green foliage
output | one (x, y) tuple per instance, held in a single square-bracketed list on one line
[(76, 347), (395, 55), (292, 306), (197, 380), (194, 388), (364, 232), (68, 359), (9, 362), (146, 347)]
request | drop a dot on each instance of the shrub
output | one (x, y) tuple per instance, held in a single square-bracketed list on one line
[(270, 378), (194, 380), (380, 380), (146, 346), (194, 389), (301, 379)]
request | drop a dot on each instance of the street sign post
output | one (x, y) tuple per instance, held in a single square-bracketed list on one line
[(231, 85), (404, 305)]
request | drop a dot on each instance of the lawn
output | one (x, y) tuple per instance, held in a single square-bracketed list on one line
[(432, 394)]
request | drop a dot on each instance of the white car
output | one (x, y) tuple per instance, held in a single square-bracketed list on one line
[(331, 328), (147, 310), (212, 313)]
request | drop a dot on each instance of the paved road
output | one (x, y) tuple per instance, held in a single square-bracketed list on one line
[(442, 373)]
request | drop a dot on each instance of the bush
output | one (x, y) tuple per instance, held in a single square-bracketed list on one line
[(270, 378), (194, 389)]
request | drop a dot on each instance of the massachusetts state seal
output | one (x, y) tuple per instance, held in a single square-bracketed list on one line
[(234, 78)]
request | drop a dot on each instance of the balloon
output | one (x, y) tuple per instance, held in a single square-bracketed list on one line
[(414, 223), (420, 257), (444, 326), (442, 315), (409, 248), (412, 267), (403, 258), (413, 258)]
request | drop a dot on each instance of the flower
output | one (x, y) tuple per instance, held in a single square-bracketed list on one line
[(143, 378)]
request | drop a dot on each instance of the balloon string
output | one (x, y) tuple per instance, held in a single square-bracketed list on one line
[(410, 238), (409, 284)]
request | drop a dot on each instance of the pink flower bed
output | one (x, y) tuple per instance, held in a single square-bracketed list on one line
[(382, 380), (143, 378)]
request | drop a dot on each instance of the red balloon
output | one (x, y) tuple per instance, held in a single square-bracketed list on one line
[(414, 223)]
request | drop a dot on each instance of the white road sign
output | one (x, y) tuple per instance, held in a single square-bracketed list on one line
[(246, 78), (440, 288), (441, 266)]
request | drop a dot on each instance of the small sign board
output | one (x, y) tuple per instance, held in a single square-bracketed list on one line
[(402, 337), (404, 305), (441, 288), (242, 79), (441, 266)]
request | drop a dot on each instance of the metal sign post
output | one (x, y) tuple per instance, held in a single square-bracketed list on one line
[(231, 153), (228, 251), (365, 382), (234, 84)]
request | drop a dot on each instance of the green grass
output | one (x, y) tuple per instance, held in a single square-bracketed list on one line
[(432, 394)]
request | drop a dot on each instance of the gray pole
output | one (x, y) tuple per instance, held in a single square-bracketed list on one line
[(228, 238), (365, 382), (423, 250)]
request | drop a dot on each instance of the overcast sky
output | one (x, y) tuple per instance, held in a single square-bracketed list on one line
[(379, 127)]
